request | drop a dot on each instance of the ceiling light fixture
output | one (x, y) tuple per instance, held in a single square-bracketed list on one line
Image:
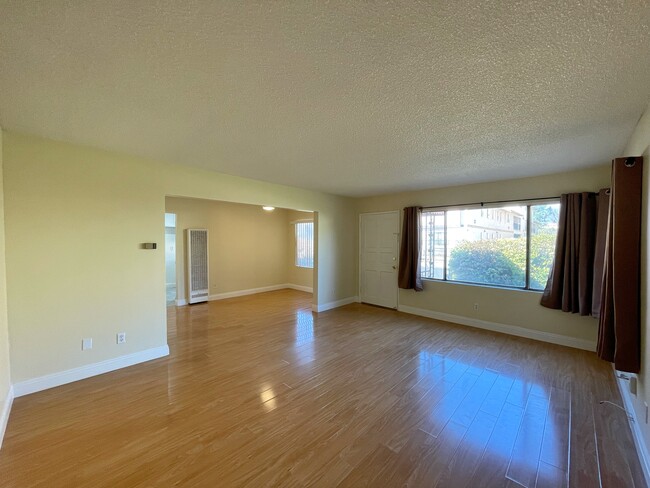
[(268, 209)]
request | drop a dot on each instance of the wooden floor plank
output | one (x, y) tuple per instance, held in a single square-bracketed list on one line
[(365, 474), (459, 471), (400, 467), (555, 444), (434, 462), (451, 396), (615, 470), (524, 460), (469, 407), (549, 476), (260, 391), (584, 469), (491, 470)]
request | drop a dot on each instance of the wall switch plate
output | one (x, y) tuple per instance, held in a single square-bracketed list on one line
[(86, 343), (121, 337)]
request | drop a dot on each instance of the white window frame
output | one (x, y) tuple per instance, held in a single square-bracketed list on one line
[(296, 259), (492, 205)]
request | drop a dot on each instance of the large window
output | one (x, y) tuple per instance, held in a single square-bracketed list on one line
[(510, 246), (305, 244)]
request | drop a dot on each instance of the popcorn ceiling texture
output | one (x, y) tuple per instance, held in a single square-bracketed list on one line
[(352, 98)]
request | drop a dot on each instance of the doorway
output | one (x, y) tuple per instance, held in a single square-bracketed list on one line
[(170, 258), (251, 248), (378, 234)]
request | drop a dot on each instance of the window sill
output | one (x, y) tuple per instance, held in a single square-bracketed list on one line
[(480, 285)]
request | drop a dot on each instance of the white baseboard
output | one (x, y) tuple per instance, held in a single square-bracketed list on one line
[(6, 410), (641, 448), (338, 303), (57, 379), (263, 289), (503, 328), (308, 289), (250, 291)]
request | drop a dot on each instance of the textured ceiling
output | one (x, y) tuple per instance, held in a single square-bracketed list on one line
[(353, 98)]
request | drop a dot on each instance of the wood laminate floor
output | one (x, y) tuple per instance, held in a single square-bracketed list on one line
[(258, 391)]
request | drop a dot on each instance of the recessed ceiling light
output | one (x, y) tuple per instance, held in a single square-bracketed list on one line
[(268, 209)]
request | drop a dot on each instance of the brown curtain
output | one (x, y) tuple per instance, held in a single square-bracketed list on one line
[(409, 252), (599, 254), (619, 327), (571, 280)]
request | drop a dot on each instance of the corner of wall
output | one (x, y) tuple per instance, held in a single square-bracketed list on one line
[(6, 390), (7, 402), (639, 145)]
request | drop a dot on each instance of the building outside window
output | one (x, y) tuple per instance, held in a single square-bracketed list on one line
[(509, 246), (304, 233)]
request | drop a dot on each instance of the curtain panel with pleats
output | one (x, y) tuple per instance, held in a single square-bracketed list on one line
[(619, 327), (596, 269), (409, 253), (573, 276)]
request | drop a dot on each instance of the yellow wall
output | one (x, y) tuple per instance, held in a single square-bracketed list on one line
[(639, 146), (247, 246), (75, 219), (5, 377), (510, 307), (295, 275)]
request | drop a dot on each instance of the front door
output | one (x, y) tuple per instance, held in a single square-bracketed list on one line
[(378, 236)]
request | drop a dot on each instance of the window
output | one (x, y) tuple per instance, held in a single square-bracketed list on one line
[(510, 246), (304, 244)]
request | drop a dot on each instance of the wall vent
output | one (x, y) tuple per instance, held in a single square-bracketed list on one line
[(197, 265)]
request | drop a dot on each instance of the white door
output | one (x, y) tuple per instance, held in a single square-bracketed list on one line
[(378, 234)]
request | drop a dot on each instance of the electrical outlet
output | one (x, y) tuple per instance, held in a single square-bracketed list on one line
[(86, 343), (633, 385), (476, 307), (121, 337)]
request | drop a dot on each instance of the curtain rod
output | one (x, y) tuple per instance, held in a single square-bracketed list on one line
[(489, 203)]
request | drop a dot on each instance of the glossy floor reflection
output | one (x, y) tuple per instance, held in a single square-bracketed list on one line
[(258, 391), (304, 327), (171, 295)]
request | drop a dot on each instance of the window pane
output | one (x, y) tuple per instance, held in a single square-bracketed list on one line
[(305, 244), (432, 245), (543, 231), (487, 246)]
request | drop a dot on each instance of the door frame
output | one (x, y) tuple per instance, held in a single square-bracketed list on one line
[(176, 298), (397, 237)]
